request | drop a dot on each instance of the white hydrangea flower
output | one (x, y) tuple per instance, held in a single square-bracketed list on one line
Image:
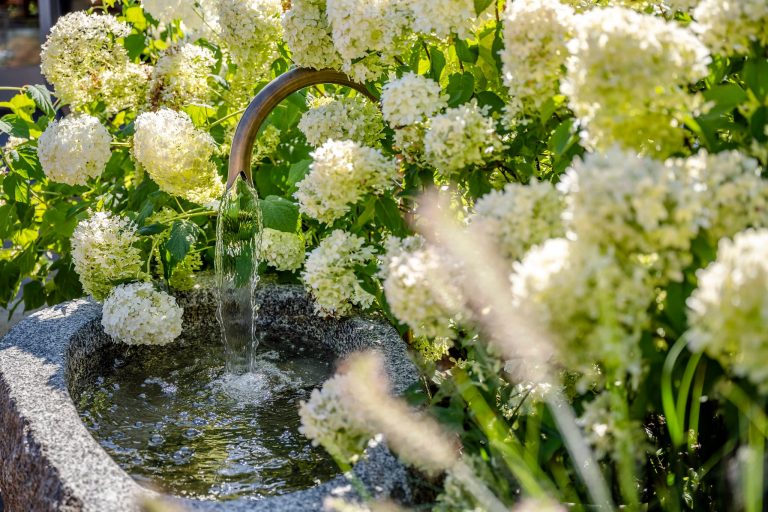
[(606, 431), (199, 18), (73, 149), (329, 274), (421, 287), (86, 63), (732, 26), (251, 30), (519, 217), (137, 314), (728, 312), (442, 18), (594, 307), (328, 420), (308, 35), (281, 250), (734, 196), (180, 77), (411, 99), (343, 118), (368, 35), (177, 155), (104, 252), (639, 206), (341, 173), (536, 33), (628, 77), (460, 137)]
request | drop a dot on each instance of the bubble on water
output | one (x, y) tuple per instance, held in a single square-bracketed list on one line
[(165, 387), (260, 385), (192, 433), (156, 440)]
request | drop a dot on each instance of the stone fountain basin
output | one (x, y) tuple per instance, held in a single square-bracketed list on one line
[(49, 460)]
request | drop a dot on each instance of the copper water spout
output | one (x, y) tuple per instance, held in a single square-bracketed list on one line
[(265, 101)]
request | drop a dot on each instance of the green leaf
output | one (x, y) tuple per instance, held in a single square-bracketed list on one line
[(279, 213), (757, 124), (15, 126), (481, 5), (16, 188), (562, 138), (297, 172), (461, 87), (437, 60), (756, 78), (42, 98), (183, 236), (466, 52), (135, 44), (388, 214), (491, 100), (34, 295), (152, 229)]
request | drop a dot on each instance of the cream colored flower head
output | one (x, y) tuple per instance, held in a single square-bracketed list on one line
[(344, 118), (74, 149), (411, 99), (177, 155), (138, 314)]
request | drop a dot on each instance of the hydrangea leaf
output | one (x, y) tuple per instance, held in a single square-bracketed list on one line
[(280, 214)]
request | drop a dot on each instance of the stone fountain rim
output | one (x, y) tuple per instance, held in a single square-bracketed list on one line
[(43, 432)]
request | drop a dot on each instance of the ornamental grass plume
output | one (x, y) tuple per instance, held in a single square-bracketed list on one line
[(341, 173), (86, 63), (74, 149), (177, 155), (329, 274), (728, 311), (628, 77), (342, 118), (104, 252), (138, 314)]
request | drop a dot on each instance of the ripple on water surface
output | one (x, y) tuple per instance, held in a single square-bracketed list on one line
[(175, 422)]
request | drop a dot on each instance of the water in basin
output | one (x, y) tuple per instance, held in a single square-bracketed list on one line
[(176, 421)]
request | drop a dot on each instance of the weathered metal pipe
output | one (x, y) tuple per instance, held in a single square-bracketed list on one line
[(266, 101)]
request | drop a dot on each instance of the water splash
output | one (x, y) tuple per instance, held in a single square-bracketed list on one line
[(238, 244)]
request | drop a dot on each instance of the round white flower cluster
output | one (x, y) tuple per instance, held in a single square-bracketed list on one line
[(329, 273), (594, 307), (73, 149), (103, 252), (442, 18), (86, 63), (420, 287), (137, 314), (180, 77), (344, 118), (342, 172), (308, 35), (177, 155), (636, 205), (535, 51), (368, 34), (627, 79), (732, 26), (328, 421), (251, 30), (411, 99), (728, 312), (519, 217), (281, 250), (734, 196), (167, 11), (461, 137)]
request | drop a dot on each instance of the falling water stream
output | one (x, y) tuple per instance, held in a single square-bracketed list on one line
[(238, 242)]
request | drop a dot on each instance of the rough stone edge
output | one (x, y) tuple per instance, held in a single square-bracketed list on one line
[(34, 362)]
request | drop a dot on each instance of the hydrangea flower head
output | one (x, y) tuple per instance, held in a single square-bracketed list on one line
[(731, 27), (344, 118), (308, 35), (104, 252), (411, 99), (341, 173), (74, 149), (180, 77), (138, 314), (177, 155), (329, 273), (281, 250), (728, 312), (251, 30)]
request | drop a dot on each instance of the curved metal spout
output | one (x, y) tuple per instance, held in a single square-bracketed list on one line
[(265, 101)]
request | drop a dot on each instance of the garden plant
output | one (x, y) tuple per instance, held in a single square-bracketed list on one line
[(561, 204)]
